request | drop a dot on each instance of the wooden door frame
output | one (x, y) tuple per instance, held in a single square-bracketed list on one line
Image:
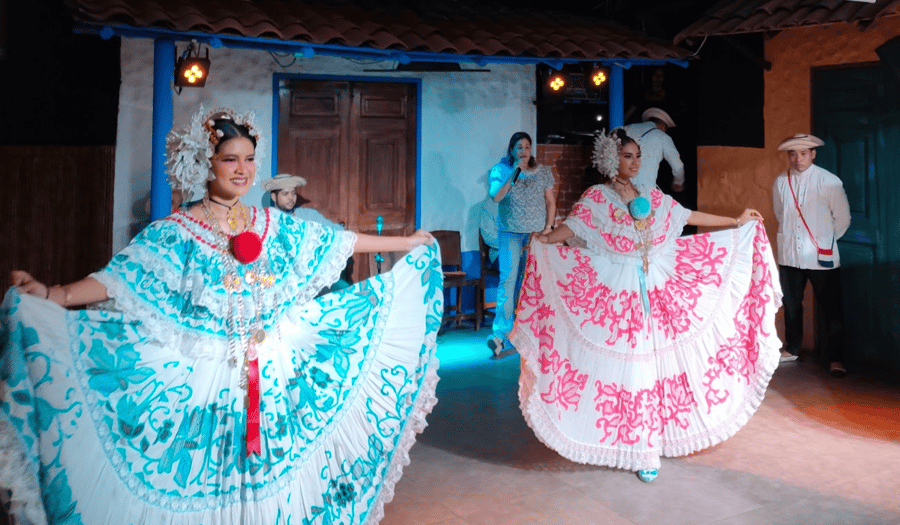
[(279, 78)]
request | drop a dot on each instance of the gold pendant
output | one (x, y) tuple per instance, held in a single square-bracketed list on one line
[(231, 282), (259, 336), (251, 277)]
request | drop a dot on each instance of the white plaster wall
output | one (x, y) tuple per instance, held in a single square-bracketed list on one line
[(466, 122)]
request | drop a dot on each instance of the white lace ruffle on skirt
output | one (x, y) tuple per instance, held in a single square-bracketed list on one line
[(123, 429), (604, 383)]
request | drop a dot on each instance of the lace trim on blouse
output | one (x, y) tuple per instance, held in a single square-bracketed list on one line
[(170, 277)]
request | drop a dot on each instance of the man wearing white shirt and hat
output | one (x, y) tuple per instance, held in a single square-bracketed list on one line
[(283, 195), (813, 213), (283, 188), (656, 145)]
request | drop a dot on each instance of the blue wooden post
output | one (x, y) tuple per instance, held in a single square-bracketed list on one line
[(616, 96), (163, 69)]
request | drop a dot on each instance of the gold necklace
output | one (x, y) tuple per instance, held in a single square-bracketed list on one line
[(232, 217), (249, 332)]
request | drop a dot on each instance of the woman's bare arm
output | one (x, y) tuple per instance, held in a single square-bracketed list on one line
[(698, 218), (375, 243), (85, 291), (550, 203), (560, 234)]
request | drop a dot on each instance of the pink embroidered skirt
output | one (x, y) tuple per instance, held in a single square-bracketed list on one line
[(605, 381)]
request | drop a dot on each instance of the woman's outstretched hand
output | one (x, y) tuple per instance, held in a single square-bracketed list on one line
[(419, 238), (748, 215), (28, 284)]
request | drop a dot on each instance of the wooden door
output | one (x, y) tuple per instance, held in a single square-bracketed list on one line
[(856, 112), (56, 212), (354, 143)]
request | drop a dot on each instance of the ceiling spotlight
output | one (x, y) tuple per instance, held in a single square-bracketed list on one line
[(557, 83), (190, 69)]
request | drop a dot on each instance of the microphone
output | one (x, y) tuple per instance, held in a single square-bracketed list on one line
[(516, 175)]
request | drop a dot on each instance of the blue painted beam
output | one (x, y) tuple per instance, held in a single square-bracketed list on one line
[(163, 109), (306, 49)]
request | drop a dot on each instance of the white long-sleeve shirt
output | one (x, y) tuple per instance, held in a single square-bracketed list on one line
[(823, 201), (656, 145)]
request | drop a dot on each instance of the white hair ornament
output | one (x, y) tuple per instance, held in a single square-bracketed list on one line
[(190, 148), (606, 153)]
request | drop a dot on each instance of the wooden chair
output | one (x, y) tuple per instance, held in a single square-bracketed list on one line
[(455, 277), (488, 268)]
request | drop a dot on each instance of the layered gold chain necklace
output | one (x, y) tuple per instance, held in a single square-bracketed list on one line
[(245, 334), (236, 213)]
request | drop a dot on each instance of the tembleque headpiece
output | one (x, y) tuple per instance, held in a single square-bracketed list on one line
[(189, 149), (606, 152)]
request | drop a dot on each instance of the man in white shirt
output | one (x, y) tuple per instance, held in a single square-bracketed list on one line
[(656, 145), (282, 190), (813, 213), (283, 193)]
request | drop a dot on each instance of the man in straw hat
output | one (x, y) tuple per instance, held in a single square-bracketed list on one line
[(813, 213), (656, 145), (283, 192)]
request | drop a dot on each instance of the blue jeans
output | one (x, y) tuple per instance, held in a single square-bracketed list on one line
[(512, 269)]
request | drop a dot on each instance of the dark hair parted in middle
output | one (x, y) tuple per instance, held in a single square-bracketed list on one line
[(510, 158)]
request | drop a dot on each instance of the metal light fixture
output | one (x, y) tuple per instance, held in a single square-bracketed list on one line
[(599, 77), (190, 69), (557, 82)]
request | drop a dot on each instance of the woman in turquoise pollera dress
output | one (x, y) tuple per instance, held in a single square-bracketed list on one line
[(206, 384)]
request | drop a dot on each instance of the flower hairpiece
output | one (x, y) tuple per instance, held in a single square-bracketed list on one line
[(606, 152), (189, 149)]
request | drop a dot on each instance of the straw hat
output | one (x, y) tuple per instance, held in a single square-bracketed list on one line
[(658, 114), (283, 181), (800, 141)]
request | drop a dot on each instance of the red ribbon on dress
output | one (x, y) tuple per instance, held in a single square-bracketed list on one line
[(254, 444)]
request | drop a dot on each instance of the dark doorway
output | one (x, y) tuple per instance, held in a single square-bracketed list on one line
[(857, 114)]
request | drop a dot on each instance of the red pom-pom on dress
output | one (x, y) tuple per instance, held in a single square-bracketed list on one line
[(246, 246)]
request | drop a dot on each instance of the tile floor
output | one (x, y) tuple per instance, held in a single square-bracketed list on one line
[(818, 451)]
